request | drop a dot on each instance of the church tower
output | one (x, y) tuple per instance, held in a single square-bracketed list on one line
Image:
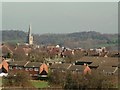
[(29, 37)]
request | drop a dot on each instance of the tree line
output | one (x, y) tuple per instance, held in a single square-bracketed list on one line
[(78, 39)]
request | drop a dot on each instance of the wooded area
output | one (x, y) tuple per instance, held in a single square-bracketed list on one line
[(85, 40)]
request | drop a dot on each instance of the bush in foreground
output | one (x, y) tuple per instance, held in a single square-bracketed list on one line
[(83, 82), (69, 80), (17, 79)]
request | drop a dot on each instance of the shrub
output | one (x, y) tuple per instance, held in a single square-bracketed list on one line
[(95, 80), (17, 79)]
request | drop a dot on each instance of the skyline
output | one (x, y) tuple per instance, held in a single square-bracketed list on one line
[(60, 17)]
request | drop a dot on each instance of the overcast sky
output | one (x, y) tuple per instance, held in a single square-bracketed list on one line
[(60, 17)]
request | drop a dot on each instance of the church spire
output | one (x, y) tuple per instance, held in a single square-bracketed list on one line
[(29, 37), (29, 32)]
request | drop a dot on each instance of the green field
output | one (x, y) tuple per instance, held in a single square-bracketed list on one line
[(39, 84)]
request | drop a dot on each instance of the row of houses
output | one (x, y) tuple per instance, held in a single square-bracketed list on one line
[(56, 50), (63, 51), (40, 70), (34, 69), (108, 66), (83, 66)]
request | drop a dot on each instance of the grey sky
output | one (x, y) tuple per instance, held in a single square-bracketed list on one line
[(0, 23), (60, 17)]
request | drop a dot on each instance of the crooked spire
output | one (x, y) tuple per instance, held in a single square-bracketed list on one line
[(29, 32), (29, 37)]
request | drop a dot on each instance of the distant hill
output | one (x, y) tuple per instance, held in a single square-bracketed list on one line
[(89, 39), (13, 36)]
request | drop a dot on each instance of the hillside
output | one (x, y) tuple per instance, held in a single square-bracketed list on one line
[(13, 36), (89, 39)]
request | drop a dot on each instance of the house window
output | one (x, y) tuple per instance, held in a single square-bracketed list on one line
[(16, 67), (36, 69), (26, 69), (30, 74), (31, 69), (73, 71), (20, 68), (10, 68), (35, 74)]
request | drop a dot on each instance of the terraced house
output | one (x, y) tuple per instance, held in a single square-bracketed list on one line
[(35, 69)]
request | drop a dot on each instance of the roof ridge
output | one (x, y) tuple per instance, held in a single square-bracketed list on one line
[(115, 69), (26, 63), (69, 66)]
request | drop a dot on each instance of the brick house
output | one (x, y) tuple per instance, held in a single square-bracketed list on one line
[(60, 67), (43, 70), (3, 68), (35, 69), (17, 65), (76, 68)]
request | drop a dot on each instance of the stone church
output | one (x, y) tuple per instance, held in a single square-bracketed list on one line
[(29, 36)]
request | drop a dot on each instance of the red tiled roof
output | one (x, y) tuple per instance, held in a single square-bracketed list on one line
[(0, 66), (43, 67), (68, 52), (5, 65), (87, 70)]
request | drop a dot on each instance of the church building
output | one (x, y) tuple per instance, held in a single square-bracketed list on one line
[(29, 36)]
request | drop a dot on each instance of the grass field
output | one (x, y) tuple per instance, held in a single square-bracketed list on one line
[(39, 84)]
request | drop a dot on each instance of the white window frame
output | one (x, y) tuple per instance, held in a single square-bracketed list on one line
[(36, 69), (30, 69), (16, 67), (26, 69), (31, 74), (20, 68), (10, 67), (35, 74)]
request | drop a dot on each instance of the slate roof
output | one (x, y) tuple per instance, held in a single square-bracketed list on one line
[(76, 68), (83, 61), (33, 64), (107, 69), (95, 63), (18, 63), (104, 61), (86, 59), (60, 66)]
